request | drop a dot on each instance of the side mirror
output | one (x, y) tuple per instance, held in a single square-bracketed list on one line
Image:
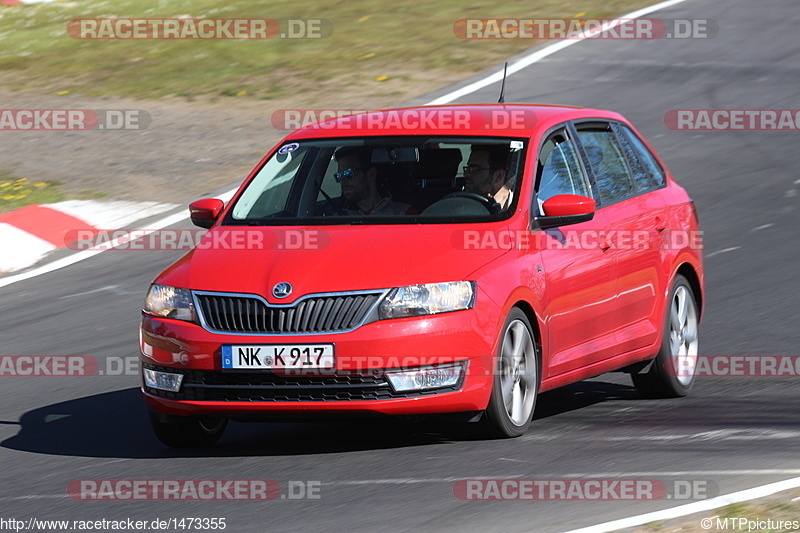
[(205, 212), (565, 209)]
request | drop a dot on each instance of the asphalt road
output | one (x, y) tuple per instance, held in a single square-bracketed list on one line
[(731, 433)]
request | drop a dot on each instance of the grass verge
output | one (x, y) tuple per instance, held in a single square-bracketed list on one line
[(779, 513), (20, 192), (374, 43)]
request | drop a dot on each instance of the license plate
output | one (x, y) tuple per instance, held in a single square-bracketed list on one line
[(268, 356)]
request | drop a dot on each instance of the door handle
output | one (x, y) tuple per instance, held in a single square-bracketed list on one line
[(661, 224), (605, 244)]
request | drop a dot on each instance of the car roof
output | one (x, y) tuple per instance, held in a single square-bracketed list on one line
[(499, 120)]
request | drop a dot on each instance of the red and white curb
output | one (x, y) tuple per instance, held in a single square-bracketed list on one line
[(27, 235)]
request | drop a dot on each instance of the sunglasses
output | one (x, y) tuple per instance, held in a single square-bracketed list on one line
[(472, 169), (348, 173)]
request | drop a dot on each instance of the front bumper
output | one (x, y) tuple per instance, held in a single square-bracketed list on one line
[(357, 383)]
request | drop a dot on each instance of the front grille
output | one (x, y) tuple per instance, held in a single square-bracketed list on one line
[(317, 314), (216, 386)]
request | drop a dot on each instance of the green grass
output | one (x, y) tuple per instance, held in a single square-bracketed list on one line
[(735, 510), (372, 39), (19, 192)]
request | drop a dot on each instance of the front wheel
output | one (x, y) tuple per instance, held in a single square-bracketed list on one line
[(187, 431), (672, 373), (516, 380)]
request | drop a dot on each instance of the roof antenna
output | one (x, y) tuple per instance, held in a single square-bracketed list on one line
[(503, 87)]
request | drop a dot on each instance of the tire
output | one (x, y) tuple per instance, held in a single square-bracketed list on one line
[(187, 431), (672, 373), (516, 380)]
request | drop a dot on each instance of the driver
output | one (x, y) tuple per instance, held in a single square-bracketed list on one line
[(486, 173), (359, 180)]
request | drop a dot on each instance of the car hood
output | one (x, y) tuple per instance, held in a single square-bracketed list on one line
[(330, 259)]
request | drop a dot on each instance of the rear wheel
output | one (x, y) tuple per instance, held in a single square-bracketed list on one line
[(187, 431), (672, 373), (516, 380)]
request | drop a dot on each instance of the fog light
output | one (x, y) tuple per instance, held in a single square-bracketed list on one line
[(431, 377), (162, 380)]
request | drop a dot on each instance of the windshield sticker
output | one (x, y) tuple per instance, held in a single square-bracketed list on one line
[(517, 145), (286, 148)]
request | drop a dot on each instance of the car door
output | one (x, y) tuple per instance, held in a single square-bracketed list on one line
[(650, 237), (635, 220), (580, 288)]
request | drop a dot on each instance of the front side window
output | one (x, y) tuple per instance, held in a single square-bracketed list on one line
[(384, 180), (607, 162), (560, 171)]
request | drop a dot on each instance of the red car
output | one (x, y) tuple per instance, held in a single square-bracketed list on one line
[(453, 259)]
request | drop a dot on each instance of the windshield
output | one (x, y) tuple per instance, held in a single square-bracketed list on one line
[(388, 180)]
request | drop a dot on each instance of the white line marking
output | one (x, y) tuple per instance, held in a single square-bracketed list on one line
[(681, 473), (695, 473), (691, 508), (545, 52), (226, 196), (716, 435), (712, 254), (37, 497), (414, 481), (759, 228), (659, 475), (111, 288)]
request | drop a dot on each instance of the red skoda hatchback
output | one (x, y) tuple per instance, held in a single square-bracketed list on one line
[(455, 259)]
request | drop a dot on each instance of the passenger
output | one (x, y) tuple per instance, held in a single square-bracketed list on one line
[(486, 173), (359, 180)]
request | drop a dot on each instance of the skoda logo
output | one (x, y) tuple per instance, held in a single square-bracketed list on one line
[(282, 290)]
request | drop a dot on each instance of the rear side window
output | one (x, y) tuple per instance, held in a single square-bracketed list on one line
[(607, 162), (647, 173), (560, 170)]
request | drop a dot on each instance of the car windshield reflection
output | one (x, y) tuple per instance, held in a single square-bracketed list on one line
[(393, 180)]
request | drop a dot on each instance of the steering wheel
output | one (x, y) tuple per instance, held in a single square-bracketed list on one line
[(488, 203)]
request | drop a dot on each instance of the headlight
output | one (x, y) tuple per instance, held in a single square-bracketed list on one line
[(430, 299), (170, 302)]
